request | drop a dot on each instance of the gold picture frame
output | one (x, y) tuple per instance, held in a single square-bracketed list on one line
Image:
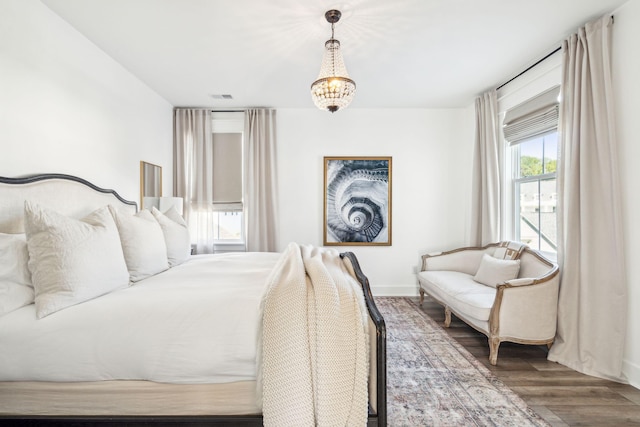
[(357, 201)]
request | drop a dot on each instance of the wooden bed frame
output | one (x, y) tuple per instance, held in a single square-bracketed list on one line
[(378, 393)]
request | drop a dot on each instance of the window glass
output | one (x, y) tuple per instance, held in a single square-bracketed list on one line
[(225, 227), (550, 153), (535, 192), (538, 155), (228, 226)]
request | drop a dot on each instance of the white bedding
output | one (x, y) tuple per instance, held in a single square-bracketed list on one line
[(198, 322)]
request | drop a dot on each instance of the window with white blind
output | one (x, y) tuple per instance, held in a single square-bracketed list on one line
[(531, 132), (228, 219)]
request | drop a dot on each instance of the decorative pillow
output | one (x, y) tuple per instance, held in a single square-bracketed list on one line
[(71, 260), (142, 243), (13, 297), (13, 259), (16, 289), (176, 235), (493, 271)]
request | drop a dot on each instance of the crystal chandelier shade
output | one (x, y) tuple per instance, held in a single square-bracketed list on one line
[(333, 89)]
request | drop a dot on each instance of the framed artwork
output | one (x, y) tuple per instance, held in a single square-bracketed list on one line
[(357, 201)]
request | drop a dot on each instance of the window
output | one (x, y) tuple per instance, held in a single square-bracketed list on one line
[(226, 229), (535, 193), (228, 226), (228, 218), (227, 187), (531, 131)]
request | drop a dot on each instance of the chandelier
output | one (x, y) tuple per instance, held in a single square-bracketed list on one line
[(333, 89)]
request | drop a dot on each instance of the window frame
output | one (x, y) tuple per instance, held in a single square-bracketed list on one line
[(545, 75), (231, 122), (516, 181)]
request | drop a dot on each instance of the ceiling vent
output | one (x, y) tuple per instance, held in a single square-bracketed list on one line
[(225, 96)]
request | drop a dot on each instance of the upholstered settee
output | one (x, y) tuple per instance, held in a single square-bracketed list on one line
[(505, 290)]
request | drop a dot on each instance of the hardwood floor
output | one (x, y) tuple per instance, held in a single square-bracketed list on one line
[(560, 395)]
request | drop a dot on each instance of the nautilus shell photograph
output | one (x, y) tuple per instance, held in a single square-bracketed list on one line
[(357, 201)]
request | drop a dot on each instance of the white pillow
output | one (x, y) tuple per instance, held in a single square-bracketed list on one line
[(13, 297), (71, 260), (176, 235), (13, 259), (493, 271), (142, 243), (16, 289)]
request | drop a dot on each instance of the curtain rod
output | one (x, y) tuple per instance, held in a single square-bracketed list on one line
[(538, 62), (529, 68), (242, 110)]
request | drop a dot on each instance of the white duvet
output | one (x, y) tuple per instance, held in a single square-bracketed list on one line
[(198, 322)]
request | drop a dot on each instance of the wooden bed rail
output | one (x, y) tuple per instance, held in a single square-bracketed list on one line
[(379, 418)]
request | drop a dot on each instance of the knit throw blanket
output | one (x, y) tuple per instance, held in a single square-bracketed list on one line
[(509, 250), (314, 342)]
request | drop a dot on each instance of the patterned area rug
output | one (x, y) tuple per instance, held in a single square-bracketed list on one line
[(434, 381)]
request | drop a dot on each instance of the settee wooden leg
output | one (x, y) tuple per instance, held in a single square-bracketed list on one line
[(494, 343), (421, 296), (447, 317), (549, 344)]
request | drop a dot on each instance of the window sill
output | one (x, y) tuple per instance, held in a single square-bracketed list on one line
[(222, 247)]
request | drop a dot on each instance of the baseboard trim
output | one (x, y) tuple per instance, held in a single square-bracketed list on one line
[(395, 291), (632, 371)]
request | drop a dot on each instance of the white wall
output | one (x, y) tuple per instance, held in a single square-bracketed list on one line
[(431, 181), (626, 69), (67, 107)]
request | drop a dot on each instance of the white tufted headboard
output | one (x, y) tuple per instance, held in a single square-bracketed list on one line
[(66, 194)]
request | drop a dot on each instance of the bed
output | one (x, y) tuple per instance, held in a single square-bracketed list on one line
[(198, 342)]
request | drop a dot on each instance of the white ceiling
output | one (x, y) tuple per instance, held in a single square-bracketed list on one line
[(401, 53)]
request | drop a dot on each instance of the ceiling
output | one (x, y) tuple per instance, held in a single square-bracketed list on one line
[(401, 53)]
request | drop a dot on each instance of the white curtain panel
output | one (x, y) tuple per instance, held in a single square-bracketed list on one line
[(486, 191), (592, 310), (260, 180), (193, 173)]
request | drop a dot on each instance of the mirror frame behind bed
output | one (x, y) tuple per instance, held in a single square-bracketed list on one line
[(13, 192)]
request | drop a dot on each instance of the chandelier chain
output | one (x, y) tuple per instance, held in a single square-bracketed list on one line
[(333, 60)]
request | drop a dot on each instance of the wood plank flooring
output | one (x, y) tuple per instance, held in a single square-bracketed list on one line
[(560, 395)]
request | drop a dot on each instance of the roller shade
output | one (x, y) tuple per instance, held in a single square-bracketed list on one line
[(534, 117), (227, 171)]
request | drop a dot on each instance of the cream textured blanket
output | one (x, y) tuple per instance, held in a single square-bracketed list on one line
[(314, 349)]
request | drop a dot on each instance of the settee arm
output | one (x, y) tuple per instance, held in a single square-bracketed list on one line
[(528, 281), (524, 281), (525, 309)]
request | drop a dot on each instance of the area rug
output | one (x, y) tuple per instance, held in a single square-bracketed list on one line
[(434, 381)]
